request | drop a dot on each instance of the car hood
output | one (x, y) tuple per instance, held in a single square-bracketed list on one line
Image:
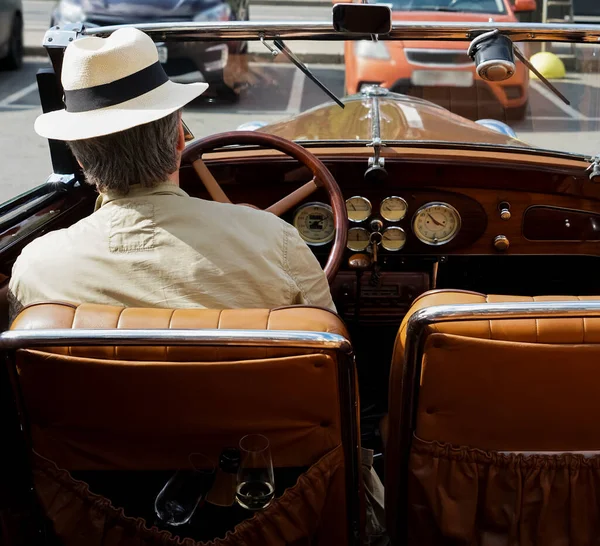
[(402, 118), (146, 8)]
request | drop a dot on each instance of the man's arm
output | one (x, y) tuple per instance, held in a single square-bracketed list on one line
[(305, 271)]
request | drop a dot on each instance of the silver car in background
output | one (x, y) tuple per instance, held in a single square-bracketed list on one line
[(11, 34)]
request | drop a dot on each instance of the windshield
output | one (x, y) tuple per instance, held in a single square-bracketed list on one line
[(474, 6), (419, 91)]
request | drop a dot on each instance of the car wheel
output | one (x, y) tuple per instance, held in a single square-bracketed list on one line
[(14, 59), (517, 113)]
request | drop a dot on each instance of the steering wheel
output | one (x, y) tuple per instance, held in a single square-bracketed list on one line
[(321, 178)]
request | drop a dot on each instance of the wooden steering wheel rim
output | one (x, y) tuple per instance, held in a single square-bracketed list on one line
[(196, 149)]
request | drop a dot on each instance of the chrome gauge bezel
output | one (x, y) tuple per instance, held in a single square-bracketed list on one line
[(394, 197), (431, 205), (355, 229), (315, 204), (392, 228), (362, 199)]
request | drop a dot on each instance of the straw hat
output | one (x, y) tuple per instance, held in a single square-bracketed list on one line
[(112, 84)]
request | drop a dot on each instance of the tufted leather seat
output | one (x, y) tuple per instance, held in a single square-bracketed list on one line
[(507, 411), (87, 404), (148, 407)]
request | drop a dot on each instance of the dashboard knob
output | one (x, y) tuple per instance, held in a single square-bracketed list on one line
[(376, 224), (501, 243), (359, 261), (504, 209)]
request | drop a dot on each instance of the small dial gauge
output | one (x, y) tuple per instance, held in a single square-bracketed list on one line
[(314, 222), (393, 209), (358, 239), (359, 208), (436, 223), (394, 238)]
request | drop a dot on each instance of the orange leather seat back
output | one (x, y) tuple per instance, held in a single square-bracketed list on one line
[(491, 393), (499, 384), (114, 408)]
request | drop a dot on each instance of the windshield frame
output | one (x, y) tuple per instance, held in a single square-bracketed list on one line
[(56, 40)]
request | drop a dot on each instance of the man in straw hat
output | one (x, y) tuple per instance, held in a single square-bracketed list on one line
[(148, 243)]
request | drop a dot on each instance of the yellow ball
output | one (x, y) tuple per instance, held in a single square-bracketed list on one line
[(549, 65)]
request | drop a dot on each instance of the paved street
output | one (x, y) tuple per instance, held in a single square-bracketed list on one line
[(279, 91)]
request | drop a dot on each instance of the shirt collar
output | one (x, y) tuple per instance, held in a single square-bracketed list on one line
[(165, 188)]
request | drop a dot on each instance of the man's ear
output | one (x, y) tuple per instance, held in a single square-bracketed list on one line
[(180, 137)]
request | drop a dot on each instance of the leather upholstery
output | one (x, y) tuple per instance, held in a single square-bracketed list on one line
[(149, 407), (495, 384), (488, 388)]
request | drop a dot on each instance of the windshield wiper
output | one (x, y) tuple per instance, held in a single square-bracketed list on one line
[(284, 49), (529, 65)]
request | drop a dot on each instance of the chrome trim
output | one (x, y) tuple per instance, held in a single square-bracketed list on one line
[(19, 339), (436, 204), (364, 199), (395, 197), (392, 228), (313, 204), (410, 30), (408, 50), (416, 335), (348, 242)]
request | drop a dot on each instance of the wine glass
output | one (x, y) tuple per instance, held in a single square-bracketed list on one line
[(176, 503), (255, 480)]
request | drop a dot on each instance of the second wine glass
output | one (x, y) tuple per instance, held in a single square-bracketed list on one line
[(255, 479)]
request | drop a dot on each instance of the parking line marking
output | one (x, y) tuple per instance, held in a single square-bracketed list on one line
[(14, 97), (295, 100), (547, 94)]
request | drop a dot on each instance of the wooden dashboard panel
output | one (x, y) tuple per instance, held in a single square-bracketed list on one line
[(474, 186)]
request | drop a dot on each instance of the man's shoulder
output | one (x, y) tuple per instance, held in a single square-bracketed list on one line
[(229, 212)]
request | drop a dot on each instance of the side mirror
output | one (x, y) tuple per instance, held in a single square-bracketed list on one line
[(362, 18), (522, 6)]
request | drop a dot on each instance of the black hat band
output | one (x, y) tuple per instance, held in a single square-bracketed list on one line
[(113, 93)]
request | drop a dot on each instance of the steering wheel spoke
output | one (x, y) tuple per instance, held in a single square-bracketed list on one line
[(210, 182), (294, 198)]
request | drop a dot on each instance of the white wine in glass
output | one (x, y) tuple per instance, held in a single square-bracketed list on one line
[(255, 479)]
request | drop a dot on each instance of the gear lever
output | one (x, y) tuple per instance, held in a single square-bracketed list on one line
[(359, 263)]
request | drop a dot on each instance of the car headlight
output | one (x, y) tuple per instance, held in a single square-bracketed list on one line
[(371, 50), (221, 12), (69, 12)]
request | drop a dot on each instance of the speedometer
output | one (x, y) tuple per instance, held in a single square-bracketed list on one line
[(436, 223), (314, 222)]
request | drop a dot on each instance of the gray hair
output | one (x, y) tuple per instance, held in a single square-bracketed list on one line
[(146, 155)]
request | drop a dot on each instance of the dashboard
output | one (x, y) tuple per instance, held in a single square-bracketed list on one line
[(408, 232)]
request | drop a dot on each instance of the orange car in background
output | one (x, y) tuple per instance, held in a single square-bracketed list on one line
[(441, 72)]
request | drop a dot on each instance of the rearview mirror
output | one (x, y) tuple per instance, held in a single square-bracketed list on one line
[(522, 6), (362, 18)]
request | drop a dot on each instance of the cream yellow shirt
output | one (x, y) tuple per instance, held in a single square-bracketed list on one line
[(160, 247)]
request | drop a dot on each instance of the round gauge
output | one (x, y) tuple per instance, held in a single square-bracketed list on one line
[(393, 209), (359, 208), (358, 239), (314, 222), (436, 223), (394, 239)]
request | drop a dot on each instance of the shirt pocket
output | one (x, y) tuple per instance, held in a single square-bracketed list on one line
[(132, 228)]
